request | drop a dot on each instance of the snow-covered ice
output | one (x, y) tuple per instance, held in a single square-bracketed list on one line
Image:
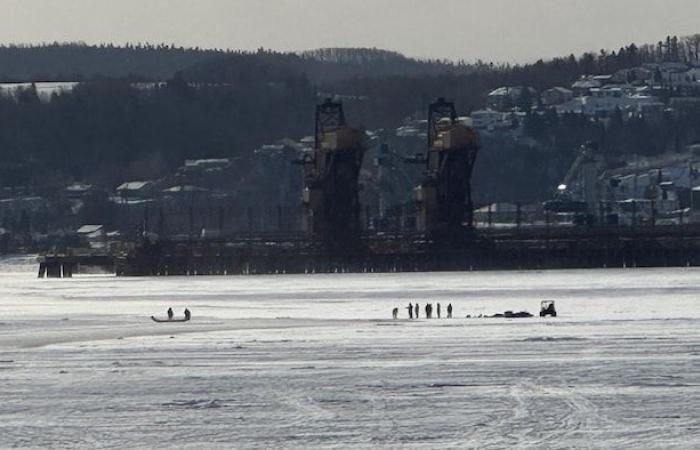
[(316, 361)]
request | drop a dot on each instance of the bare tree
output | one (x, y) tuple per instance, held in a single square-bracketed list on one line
[(692, 44)]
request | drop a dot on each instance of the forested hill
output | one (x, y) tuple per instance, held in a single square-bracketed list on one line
[(372, 62), (75, 61)]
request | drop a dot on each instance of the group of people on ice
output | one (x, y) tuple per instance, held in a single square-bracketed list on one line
[(414, 311)]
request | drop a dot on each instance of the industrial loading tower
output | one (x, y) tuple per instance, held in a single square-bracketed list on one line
[(443, 199), (331, 206)]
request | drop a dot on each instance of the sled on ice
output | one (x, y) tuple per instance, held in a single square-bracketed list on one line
[(165, 319)]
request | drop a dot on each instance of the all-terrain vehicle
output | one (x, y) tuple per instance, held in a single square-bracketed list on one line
[(547, 308)]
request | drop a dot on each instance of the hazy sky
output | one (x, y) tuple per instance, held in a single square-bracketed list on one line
[(498, 30)]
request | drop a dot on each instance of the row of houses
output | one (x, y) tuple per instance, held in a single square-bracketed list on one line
[(597, 101), (634, 92), (662, 190)]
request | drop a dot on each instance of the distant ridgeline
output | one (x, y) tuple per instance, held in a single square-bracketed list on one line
[(140, 110), (79, 61), (76, 62)]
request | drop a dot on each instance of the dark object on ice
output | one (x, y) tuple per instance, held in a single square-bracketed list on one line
[(410, 311), (428, 311), (395, 313), (449, 311), (517, 315), (547, 308), (512, 315), (187, 314), (170, 313), (438, 310), (416, 309), (156, 319)]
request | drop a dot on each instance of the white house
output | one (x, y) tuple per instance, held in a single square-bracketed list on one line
[(135, 189), (504, 98), (206, 164), (556, 96), (488, 119), (602, 102), (584, 85), (94, 235)]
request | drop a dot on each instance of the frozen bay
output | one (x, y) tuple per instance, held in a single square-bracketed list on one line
[(316, 361)]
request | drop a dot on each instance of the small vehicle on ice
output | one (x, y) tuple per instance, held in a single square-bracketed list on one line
[(547, 308)]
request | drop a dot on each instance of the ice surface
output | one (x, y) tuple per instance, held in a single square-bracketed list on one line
[(315, 361)]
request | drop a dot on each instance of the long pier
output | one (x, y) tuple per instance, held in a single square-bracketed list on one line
[(484, 249)]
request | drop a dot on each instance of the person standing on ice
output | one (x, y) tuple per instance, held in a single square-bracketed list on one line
[(395, 313), (449, 311), (410, 310), (416, 309), (428, 310), (170, 313), (438, 310), (187, 314)]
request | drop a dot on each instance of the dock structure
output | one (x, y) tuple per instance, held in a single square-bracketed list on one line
[(534, 248), (60, 265), (410, 252)]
